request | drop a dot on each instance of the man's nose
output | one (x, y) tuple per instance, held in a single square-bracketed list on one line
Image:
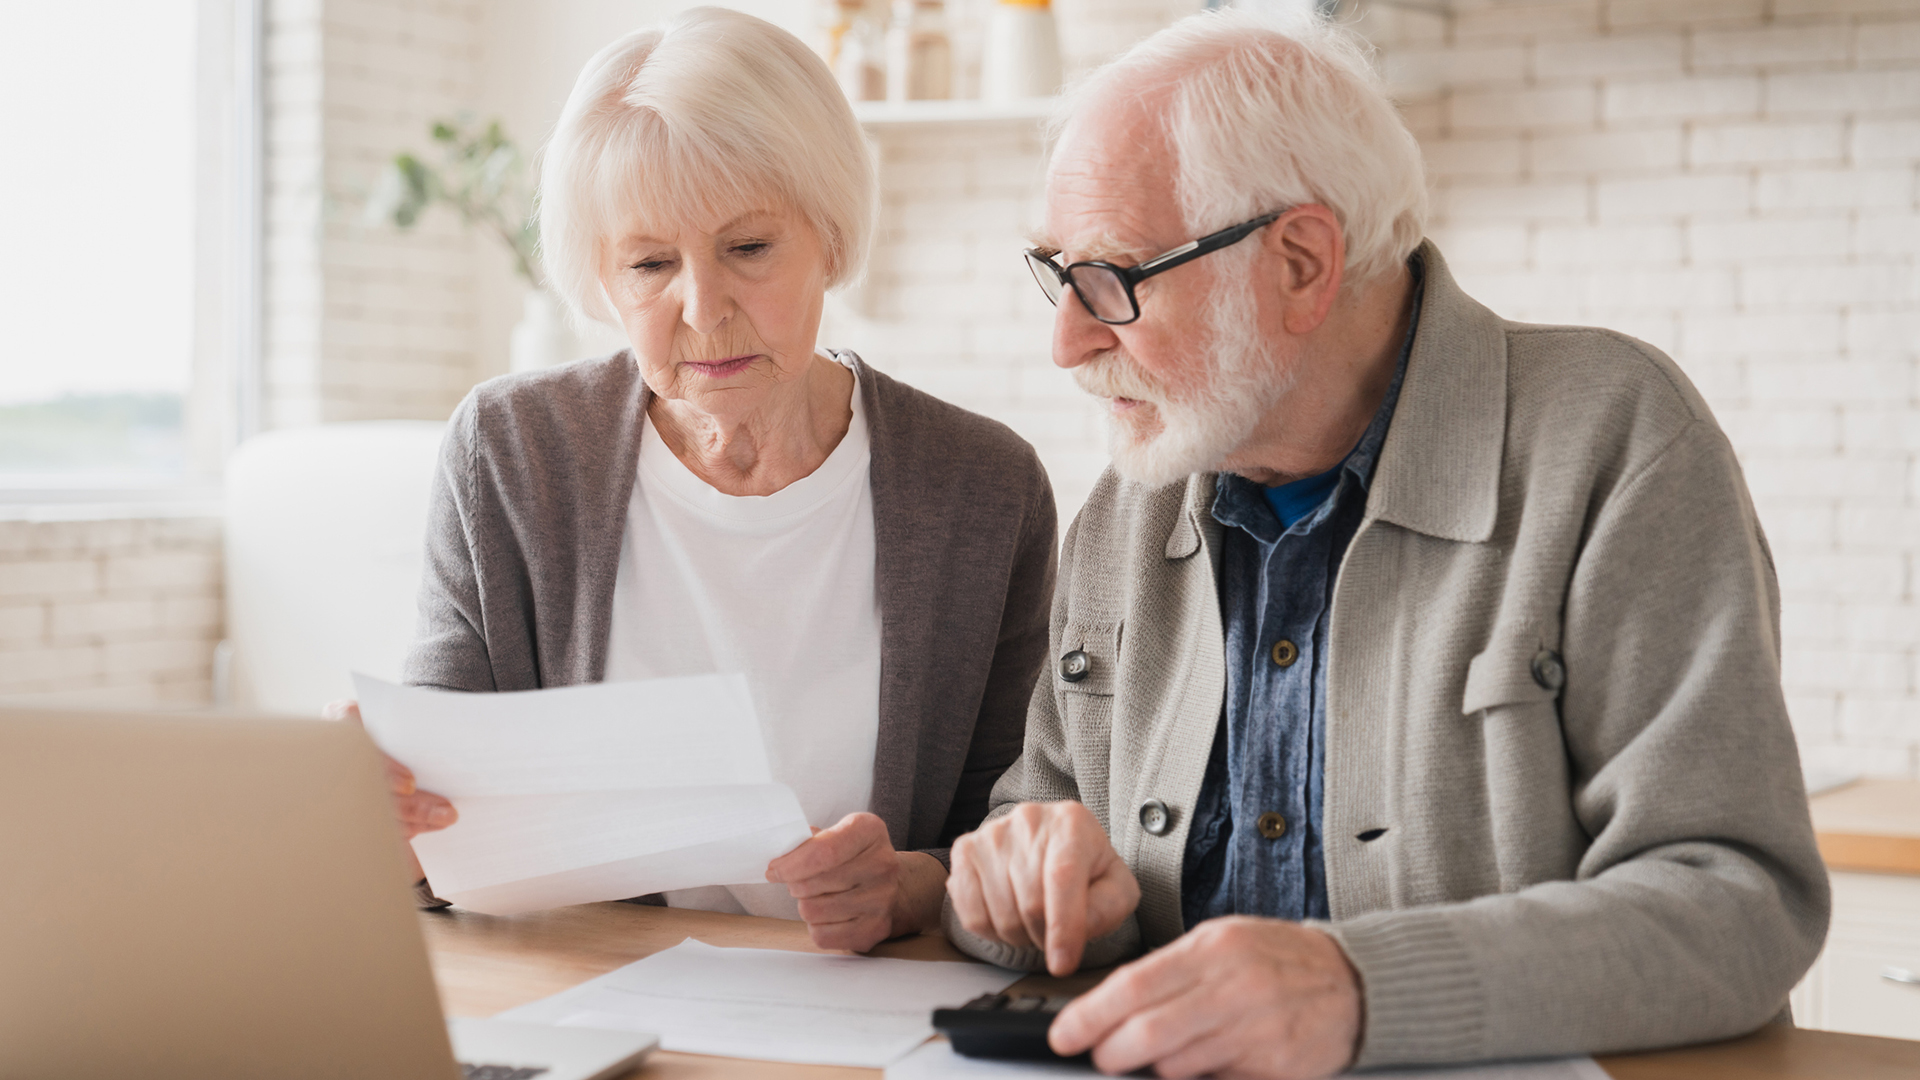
[(1077, 335), (706, 301)]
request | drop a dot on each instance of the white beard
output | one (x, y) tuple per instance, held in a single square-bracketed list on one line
[(1198, 430)]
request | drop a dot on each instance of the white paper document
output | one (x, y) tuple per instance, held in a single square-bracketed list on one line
[(588, 793), (937, 1061), (770, 1004)]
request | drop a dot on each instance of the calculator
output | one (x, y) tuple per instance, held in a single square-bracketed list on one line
[(1010, 1026)]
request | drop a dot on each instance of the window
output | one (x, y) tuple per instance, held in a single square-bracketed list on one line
[(97, 283)]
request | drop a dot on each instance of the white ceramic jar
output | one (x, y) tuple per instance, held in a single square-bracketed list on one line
[(919, 55), (1022, 58)]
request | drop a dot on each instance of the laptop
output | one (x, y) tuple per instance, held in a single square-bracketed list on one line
[(226, 897)]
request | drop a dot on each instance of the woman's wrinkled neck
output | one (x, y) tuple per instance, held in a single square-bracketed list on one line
[(797, 425)]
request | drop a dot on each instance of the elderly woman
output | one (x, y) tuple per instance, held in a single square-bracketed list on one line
[(726, 496)]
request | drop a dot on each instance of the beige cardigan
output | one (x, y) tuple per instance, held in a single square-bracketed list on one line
[(1514, 870)]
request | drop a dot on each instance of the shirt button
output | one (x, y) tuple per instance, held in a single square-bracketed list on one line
[(1548, 671), (1272, 825), (1155, 817), (1285, 652), (1075, 665)]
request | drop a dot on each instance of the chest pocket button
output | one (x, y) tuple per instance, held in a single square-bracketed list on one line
[(1548, 670), (1075, 666)]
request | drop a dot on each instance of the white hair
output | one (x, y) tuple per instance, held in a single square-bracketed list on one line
[(709, 114), (1264, 115)]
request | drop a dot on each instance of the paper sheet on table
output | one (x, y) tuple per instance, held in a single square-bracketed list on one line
[(765, 1003), (588, 793), (937, 1061)]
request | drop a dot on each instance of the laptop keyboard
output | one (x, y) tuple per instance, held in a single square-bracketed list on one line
[(498, 1072)]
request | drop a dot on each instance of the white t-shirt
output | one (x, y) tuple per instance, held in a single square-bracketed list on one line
[(779, 587)]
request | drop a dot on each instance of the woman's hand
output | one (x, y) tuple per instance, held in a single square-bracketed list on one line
[(418, 811), (855, 891)]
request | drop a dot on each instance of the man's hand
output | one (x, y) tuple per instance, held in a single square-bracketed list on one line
[(855, 891), (1237, 997), (1044, 876), (418, 811)]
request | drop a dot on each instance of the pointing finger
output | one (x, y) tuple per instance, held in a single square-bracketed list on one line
[(1066, 927)]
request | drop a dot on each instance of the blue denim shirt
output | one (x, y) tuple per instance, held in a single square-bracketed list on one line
[(1269, 754)]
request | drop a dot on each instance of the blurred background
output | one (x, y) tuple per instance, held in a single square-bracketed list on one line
[(204, 251)]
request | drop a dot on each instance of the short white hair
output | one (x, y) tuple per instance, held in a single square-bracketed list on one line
[(710, 113), (1264, 115)]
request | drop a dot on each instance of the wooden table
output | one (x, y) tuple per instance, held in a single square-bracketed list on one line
[(485, 964), (1870, 825)]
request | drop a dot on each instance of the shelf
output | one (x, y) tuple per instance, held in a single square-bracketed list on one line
[(887, 115)]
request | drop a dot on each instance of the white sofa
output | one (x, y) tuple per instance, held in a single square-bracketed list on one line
[(324, 527)]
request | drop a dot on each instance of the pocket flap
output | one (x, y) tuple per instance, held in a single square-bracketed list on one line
[(1100, 642), (1503, 675)]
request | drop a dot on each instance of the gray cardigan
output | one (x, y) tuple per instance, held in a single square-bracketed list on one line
[(523, 542), (1563, 807)]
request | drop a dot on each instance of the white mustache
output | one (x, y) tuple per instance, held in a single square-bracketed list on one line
[(1113, 374)]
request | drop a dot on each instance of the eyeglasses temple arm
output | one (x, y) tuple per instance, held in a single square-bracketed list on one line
[(1193, 249)]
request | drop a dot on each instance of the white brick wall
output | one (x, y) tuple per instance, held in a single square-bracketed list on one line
[(363, 323), (1735, 181), (948, 304), (109, 612)]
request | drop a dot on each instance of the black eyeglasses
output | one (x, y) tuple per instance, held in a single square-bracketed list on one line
[(1106, 290)]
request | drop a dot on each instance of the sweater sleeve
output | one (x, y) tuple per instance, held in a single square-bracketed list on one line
[(1019, 653), (449, 647), (1701, 898)]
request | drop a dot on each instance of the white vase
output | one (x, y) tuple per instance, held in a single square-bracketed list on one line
[(1022, 52), (541, 338)]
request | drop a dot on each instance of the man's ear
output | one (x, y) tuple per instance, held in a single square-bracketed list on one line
[(1307, 252)]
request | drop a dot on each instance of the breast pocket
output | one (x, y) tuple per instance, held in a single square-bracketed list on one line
[(1089, 660), (1086, 671), (1513, 670), (1512, 692)]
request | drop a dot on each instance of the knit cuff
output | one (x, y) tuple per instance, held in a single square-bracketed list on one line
[(1120, 943), (1424, 1003)]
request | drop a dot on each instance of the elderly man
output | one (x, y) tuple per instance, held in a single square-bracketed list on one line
[(1415, 691)]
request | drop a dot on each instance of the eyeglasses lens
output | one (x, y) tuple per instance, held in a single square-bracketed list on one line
[(1044, 273), (1104, 294)]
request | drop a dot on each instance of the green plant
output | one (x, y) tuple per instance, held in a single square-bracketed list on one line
[(481, 176)]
